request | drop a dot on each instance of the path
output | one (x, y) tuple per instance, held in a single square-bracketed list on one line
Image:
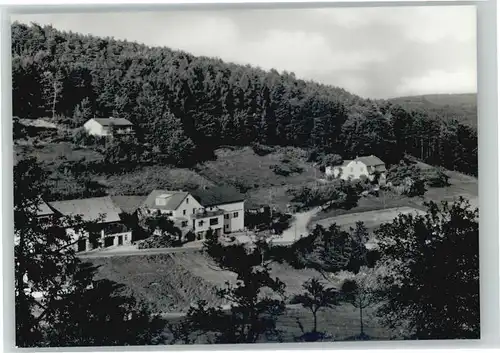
[(298, 228), (134, 251)]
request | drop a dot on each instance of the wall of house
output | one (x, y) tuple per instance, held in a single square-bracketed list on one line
[(355, 170), (205, 224), (82, 238), (188, 207), (94, 128), (234, 216)]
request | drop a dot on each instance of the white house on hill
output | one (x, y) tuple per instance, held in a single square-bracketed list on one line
[(108, 126), (204, 210), (368, 166)]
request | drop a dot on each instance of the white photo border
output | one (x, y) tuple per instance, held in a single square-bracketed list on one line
[(489, 170)]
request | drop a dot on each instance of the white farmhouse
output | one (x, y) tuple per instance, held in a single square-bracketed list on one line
[(108, 126), (368, 166), (198, 212)]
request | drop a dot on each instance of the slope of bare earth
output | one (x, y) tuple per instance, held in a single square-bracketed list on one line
[(167, 282), (172, 282)]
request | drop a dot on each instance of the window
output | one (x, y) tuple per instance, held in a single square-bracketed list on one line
[(226, 226), (200, 223), (187, 200), (184, 223), (226, 216), (214, 221), (184, 212), (125, 237), (235, 214), (194, 210)]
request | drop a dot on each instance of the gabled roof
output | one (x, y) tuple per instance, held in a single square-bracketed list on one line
[(217, 195), (89, 209), (128, 203), (173, 199), (370, 161), (113, 121), (44, 209)]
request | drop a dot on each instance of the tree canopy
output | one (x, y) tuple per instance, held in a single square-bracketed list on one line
[(202, 103)]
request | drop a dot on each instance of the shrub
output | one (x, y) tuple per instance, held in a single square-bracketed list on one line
[(437, 178), (280, 170), (158, 241), (341, 194), (332, 160), (262, 150), (190, 236)]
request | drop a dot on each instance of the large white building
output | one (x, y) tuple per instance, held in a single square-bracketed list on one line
[(214, 208)]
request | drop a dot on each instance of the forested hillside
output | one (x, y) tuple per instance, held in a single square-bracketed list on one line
[(462, 107), (185, 107)]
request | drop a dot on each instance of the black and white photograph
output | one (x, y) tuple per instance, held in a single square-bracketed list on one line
[(235, 176)]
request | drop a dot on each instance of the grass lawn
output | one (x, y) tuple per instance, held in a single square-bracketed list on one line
[(52, 154), (241, 166), (341, 323), (386, 200), (145, 179)]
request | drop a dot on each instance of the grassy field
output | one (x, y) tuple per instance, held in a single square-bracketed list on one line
[(460, 185), (242, 167), (371, 219), (340, 323)]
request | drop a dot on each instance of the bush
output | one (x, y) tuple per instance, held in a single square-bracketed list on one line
[(286, 170), (158, 241), (82, 138), (280, 170), (437, 178), (341, 194), (190, 236), (332, 160), (262, 150)]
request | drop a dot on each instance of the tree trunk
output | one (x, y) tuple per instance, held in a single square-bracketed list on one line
[(54, 100), (361, 319), (315, 321)]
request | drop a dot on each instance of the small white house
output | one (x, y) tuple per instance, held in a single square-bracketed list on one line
[(108, 126), (368, 166)]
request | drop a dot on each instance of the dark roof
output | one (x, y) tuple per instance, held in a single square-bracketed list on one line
[(89, 209), (113, 121), (173, 199), (128, 203), (370, 161), (217, 195)]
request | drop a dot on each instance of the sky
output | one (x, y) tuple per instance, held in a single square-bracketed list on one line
[(373, 52)]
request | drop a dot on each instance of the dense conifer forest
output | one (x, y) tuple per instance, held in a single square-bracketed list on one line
[(184, 107)]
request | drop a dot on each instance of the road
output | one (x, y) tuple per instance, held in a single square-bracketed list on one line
[(136, 252), (298, 228)]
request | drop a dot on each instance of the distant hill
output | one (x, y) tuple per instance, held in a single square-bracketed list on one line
[(462, 107)]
